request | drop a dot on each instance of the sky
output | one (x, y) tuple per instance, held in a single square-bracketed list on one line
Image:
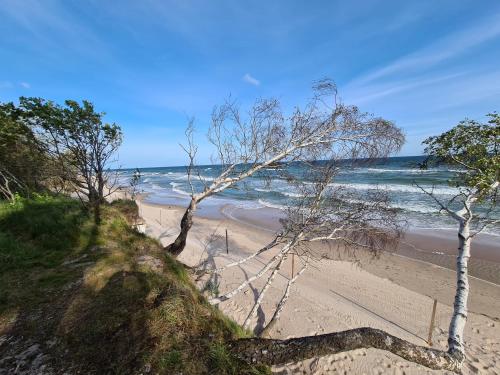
[(151, 65)]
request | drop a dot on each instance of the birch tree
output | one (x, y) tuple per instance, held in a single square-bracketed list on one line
[(248, 143), (324, 213), (474, 148)]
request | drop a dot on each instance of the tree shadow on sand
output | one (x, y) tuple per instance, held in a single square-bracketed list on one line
[(261, 316), (214, 245)]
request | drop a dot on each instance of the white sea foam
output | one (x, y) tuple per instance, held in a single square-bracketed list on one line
[(271, 205), (400, 170), (291, 194), (181, 176), (280, 191), (397, 188), (264, 190), (177, 190), (247, 205), (156, 187), (416, 207), (408, 170)]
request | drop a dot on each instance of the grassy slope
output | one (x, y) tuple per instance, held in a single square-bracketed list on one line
[(79, 292)]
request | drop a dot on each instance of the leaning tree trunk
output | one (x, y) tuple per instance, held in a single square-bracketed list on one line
[(176, 247), (278, 352), (459, 318)]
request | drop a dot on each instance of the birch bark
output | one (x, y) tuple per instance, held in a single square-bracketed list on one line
[(459, 317)]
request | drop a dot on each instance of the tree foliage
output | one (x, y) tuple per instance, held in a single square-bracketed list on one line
[(65, 147), (472, 146), (23, 162)]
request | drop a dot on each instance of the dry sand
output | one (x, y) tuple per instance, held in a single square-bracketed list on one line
[(394, 293)]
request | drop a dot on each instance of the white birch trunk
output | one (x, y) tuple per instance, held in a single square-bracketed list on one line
[(459, 318)]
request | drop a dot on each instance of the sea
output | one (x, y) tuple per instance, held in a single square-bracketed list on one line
[(398, 176)]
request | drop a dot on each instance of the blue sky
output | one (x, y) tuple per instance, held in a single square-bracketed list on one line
[(151, 64)]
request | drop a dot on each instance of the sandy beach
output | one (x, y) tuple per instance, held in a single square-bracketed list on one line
[(393, 292)]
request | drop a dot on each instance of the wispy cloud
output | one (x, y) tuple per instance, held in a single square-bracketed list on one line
[(25, 85), (53, 26), (251, 80), (372, 92), (436, 74), (445, 48)]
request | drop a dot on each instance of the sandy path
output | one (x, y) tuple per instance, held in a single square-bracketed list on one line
[(392, 293)]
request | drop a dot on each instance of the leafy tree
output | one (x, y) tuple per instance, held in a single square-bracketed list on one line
[(474, 148), (23, 161), (83, 146)]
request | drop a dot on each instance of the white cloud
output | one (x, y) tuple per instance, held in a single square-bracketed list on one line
[(251, 80), (26, 85)]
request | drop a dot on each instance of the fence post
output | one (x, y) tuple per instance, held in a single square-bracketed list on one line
[(293, 263), (227, 244), (431, 327), (160, 217)]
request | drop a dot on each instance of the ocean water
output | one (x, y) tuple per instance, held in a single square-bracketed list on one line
[(397, 176)]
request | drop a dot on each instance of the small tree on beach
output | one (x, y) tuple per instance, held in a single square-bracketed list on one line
[(474, 148), (248, 144)]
